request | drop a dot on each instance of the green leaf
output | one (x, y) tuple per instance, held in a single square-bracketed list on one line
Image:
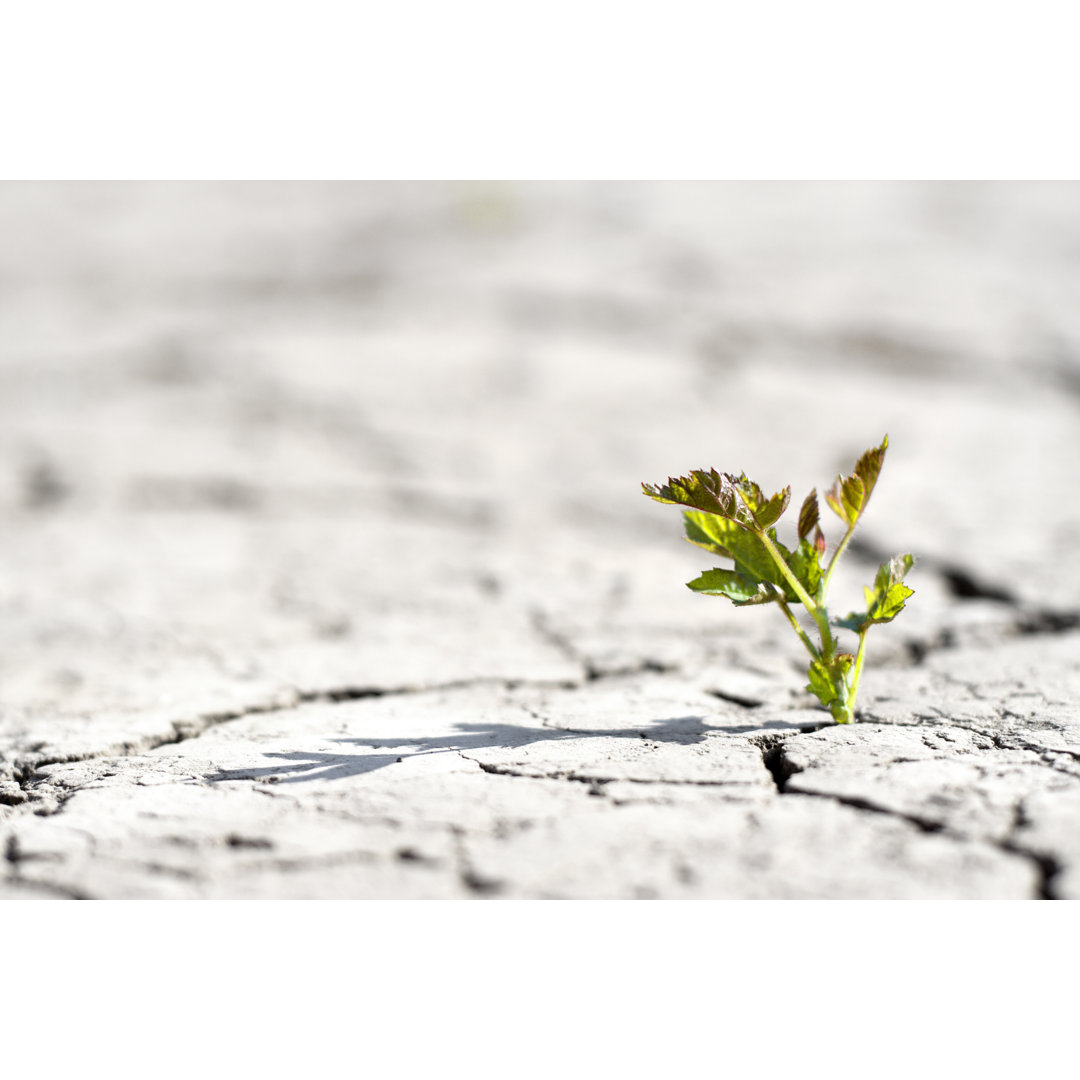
[(751, 492), (832, 497), (772, 511), (886, 599), (710, 491), (735, 498), (730, 516), (883, 607), (754, 569), (868, 467), (829, 682), (768, 595), (724, 537), (808, 515), (763, 512), (849, 494), (710, 532), (752, 557), (732, 541), (736, 587), (821, 684), (852, 497), (893, 571), (855, 620)]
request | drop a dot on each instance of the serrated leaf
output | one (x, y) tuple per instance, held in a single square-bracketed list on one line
[(893, 571), (734, 498), (735, 586), (829, 682), (819, 540), (820, 684), (852, 497), (761, 512), (849, 494), (808, 515), (886, 605), (709, 532), (886, 599), (709, 491), (751, 492), (832, 498), (868, 467), (771, 512), (725, 495)]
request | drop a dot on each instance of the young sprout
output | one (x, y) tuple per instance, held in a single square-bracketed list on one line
[(730, 516)]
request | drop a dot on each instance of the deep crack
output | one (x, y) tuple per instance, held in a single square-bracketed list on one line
[(925, 825), (781, 769)]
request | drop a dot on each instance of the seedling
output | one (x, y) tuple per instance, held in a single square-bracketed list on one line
[(730, 516)]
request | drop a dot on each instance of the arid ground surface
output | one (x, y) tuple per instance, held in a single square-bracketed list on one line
[(325, 569)]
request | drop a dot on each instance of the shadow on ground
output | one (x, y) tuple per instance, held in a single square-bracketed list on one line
[(300, 765)]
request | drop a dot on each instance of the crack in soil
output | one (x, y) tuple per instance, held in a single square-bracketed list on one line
[(925, 825), (1048, 868), (777, 764), (781, 769), (37, 790), (23, 769), (593, 778)]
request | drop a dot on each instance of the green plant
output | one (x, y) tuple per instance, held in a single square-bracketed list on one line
[(730, 516)]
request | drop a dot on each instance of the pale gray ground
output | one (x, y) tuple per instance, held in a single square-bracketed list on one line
[(325, 570)]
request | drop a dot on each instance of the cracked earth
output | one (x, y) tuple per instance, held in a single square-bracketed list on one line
[(325, 570)]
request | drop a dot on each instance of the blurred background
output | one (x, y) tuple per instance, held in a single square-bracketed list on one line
[(255, 436)]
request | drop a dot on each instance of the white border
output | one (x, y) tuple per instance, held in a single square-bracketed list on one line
[(420, 89)]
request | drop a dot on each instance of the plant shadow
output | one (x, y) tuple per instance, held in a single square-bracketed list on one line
[(301, 765)]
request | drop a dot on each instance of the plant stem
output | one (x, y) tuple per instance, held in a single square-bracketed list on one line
[(857, 672), (792, 580), (798, 629), (818, 613), (835, 559)]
